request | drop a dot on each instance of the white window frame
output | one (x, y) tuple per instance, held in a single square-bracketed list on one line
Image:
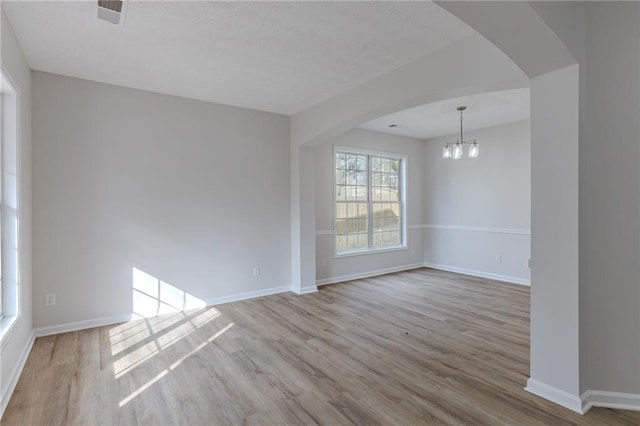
[(403, 201), (11, 309)]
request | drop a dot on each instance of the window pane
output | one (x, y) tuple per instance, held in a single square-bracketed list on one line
[(377, 239), (358, 194), (363, 241), (391, 238), (394, 195), (377, 222), (395, 213), (385, 239), (351, 218), (386, 216), (350, 162), (375, 164), (350, 193), (384, 164), (361, 193), (376, 178), (356, 242), (375, 193)]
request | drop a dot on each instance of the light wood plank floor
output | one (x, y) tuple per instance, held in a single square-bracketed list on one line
[(417, 347)]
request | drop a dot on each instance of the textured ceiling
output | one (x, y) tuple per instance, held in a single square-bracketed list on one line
[(442, 118), (274, 56)]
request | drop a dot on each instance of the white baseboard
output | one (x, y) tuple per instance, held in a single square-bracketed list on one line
[(471, 272), (555, 395), (100, 322), (605, 399), (481, 274), (247, 295), (13, 380), (80, 325), (367, 274), (589, 399), (305, 290)]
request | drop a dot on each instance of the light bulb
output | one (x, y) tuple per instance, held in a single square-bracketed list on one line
[(446, 151), (474, 150), (457, 151)]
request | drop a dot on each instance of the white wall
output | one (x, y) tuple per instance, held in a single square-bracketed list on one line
[(478, 209), (472, 65), (554, 244), (193, 193), (337, 269), (605, 37), (610, 200), (14, 346)]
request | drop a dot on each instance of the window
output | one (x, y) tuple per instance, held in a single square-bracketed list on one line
[(9, 135), (2, 99), (369, 201)]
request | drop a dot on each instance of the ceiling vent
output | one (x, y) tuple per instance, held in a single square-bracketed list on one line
[(111, 11)]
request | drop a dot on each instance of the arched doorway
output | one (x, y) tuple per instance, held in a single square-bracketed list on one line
[(521, 49)]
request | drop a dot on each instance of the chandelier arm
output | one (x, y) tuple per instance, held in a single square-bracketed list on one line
[(461, 138)]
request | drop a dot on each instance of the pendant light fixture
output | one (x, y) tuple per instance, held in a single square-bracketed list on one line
[(455, 151)]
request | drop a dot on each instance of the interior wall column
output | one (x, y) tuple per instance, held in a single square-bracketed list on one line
[(303, 220), (555, 355)]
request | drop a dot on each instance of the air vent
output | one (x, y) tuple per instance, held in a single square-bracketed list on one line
[(110, 10)]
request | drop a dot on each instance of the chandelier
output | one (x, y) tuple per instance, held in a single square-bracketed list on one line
[(454, 150)]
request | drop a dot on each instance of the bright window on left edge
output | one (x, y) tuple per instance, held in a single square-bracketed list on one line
[(369, 199), (9, 135)]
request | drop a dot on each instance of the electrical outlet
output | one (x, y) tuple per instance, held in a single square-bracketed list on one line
[(323, 262), (498, 259), (50, 299), (256, 271), (529, 263)]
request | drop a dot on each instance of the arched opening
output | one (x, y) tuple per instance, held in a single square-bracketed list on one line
[(510, 56)]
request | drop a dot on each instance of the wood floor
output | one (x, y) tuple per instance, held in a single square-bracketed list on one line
[(417, 347)]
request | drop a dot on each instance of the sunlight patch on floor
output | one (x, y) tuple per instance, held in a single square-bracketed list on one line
[(153, 341), (173, 366)]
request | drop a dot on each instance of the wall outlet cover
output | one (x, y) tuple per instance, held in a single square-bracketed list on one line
[(50, 299)]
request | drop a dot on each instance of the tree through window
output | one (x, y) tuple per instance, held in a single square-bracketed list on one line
[(369, 201)]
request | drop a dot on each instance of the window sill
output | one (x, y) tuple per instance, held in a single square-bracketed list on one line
[(7, 325), (370, 251)]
